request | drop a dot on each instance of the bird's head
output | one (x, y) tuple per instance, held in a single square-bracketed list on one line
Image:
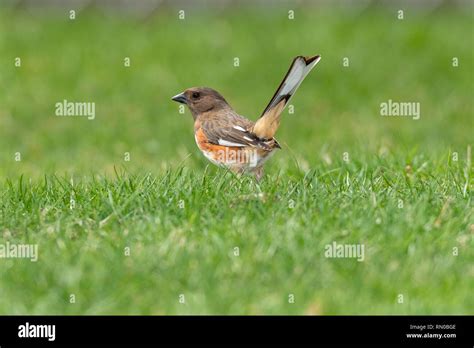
[(201, 100)]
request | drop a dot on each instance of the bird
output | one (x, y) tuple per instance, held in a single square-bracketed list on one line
[(230, 140)]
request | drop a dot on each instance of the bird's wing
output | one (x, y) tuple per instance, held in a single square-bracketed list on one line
[(233, 134), (268, 123)]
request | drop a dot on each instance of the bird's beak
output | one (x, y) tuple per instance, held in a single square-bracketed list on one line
[(180, 98)]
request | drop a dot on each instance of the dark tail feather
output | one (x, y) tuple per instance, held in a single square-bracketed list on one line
[(268, 123)]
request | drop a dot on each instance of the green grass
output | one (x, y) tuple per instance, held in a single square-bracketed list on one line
[(405, 193)]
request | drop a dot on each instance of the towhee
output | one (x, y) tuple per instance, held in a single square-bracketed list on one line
[(230, 140)]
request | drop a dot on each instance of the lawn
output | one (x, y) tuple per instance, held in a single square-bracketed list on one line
[(129, 217)]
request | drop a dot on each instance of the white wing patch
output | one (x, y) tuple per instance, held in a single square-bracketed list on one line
[(239, 128), (229, 143)]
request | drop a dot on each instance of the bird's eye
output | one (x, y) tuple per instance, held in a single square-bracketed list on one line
[(196, 95)]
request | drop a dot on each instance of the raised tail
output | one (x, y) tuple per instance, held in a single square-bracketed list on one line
[(267, 125)]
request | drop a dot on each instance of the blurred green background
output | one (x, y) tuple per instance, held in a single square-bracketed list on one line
[(424, 163), (336, 110)]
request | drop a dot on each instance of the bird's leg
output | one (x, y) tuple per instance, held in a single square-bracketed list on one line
[(258, 173)]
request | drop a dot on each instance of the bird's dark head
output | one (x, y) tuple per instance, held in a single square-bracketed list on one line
[(201, 100)]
